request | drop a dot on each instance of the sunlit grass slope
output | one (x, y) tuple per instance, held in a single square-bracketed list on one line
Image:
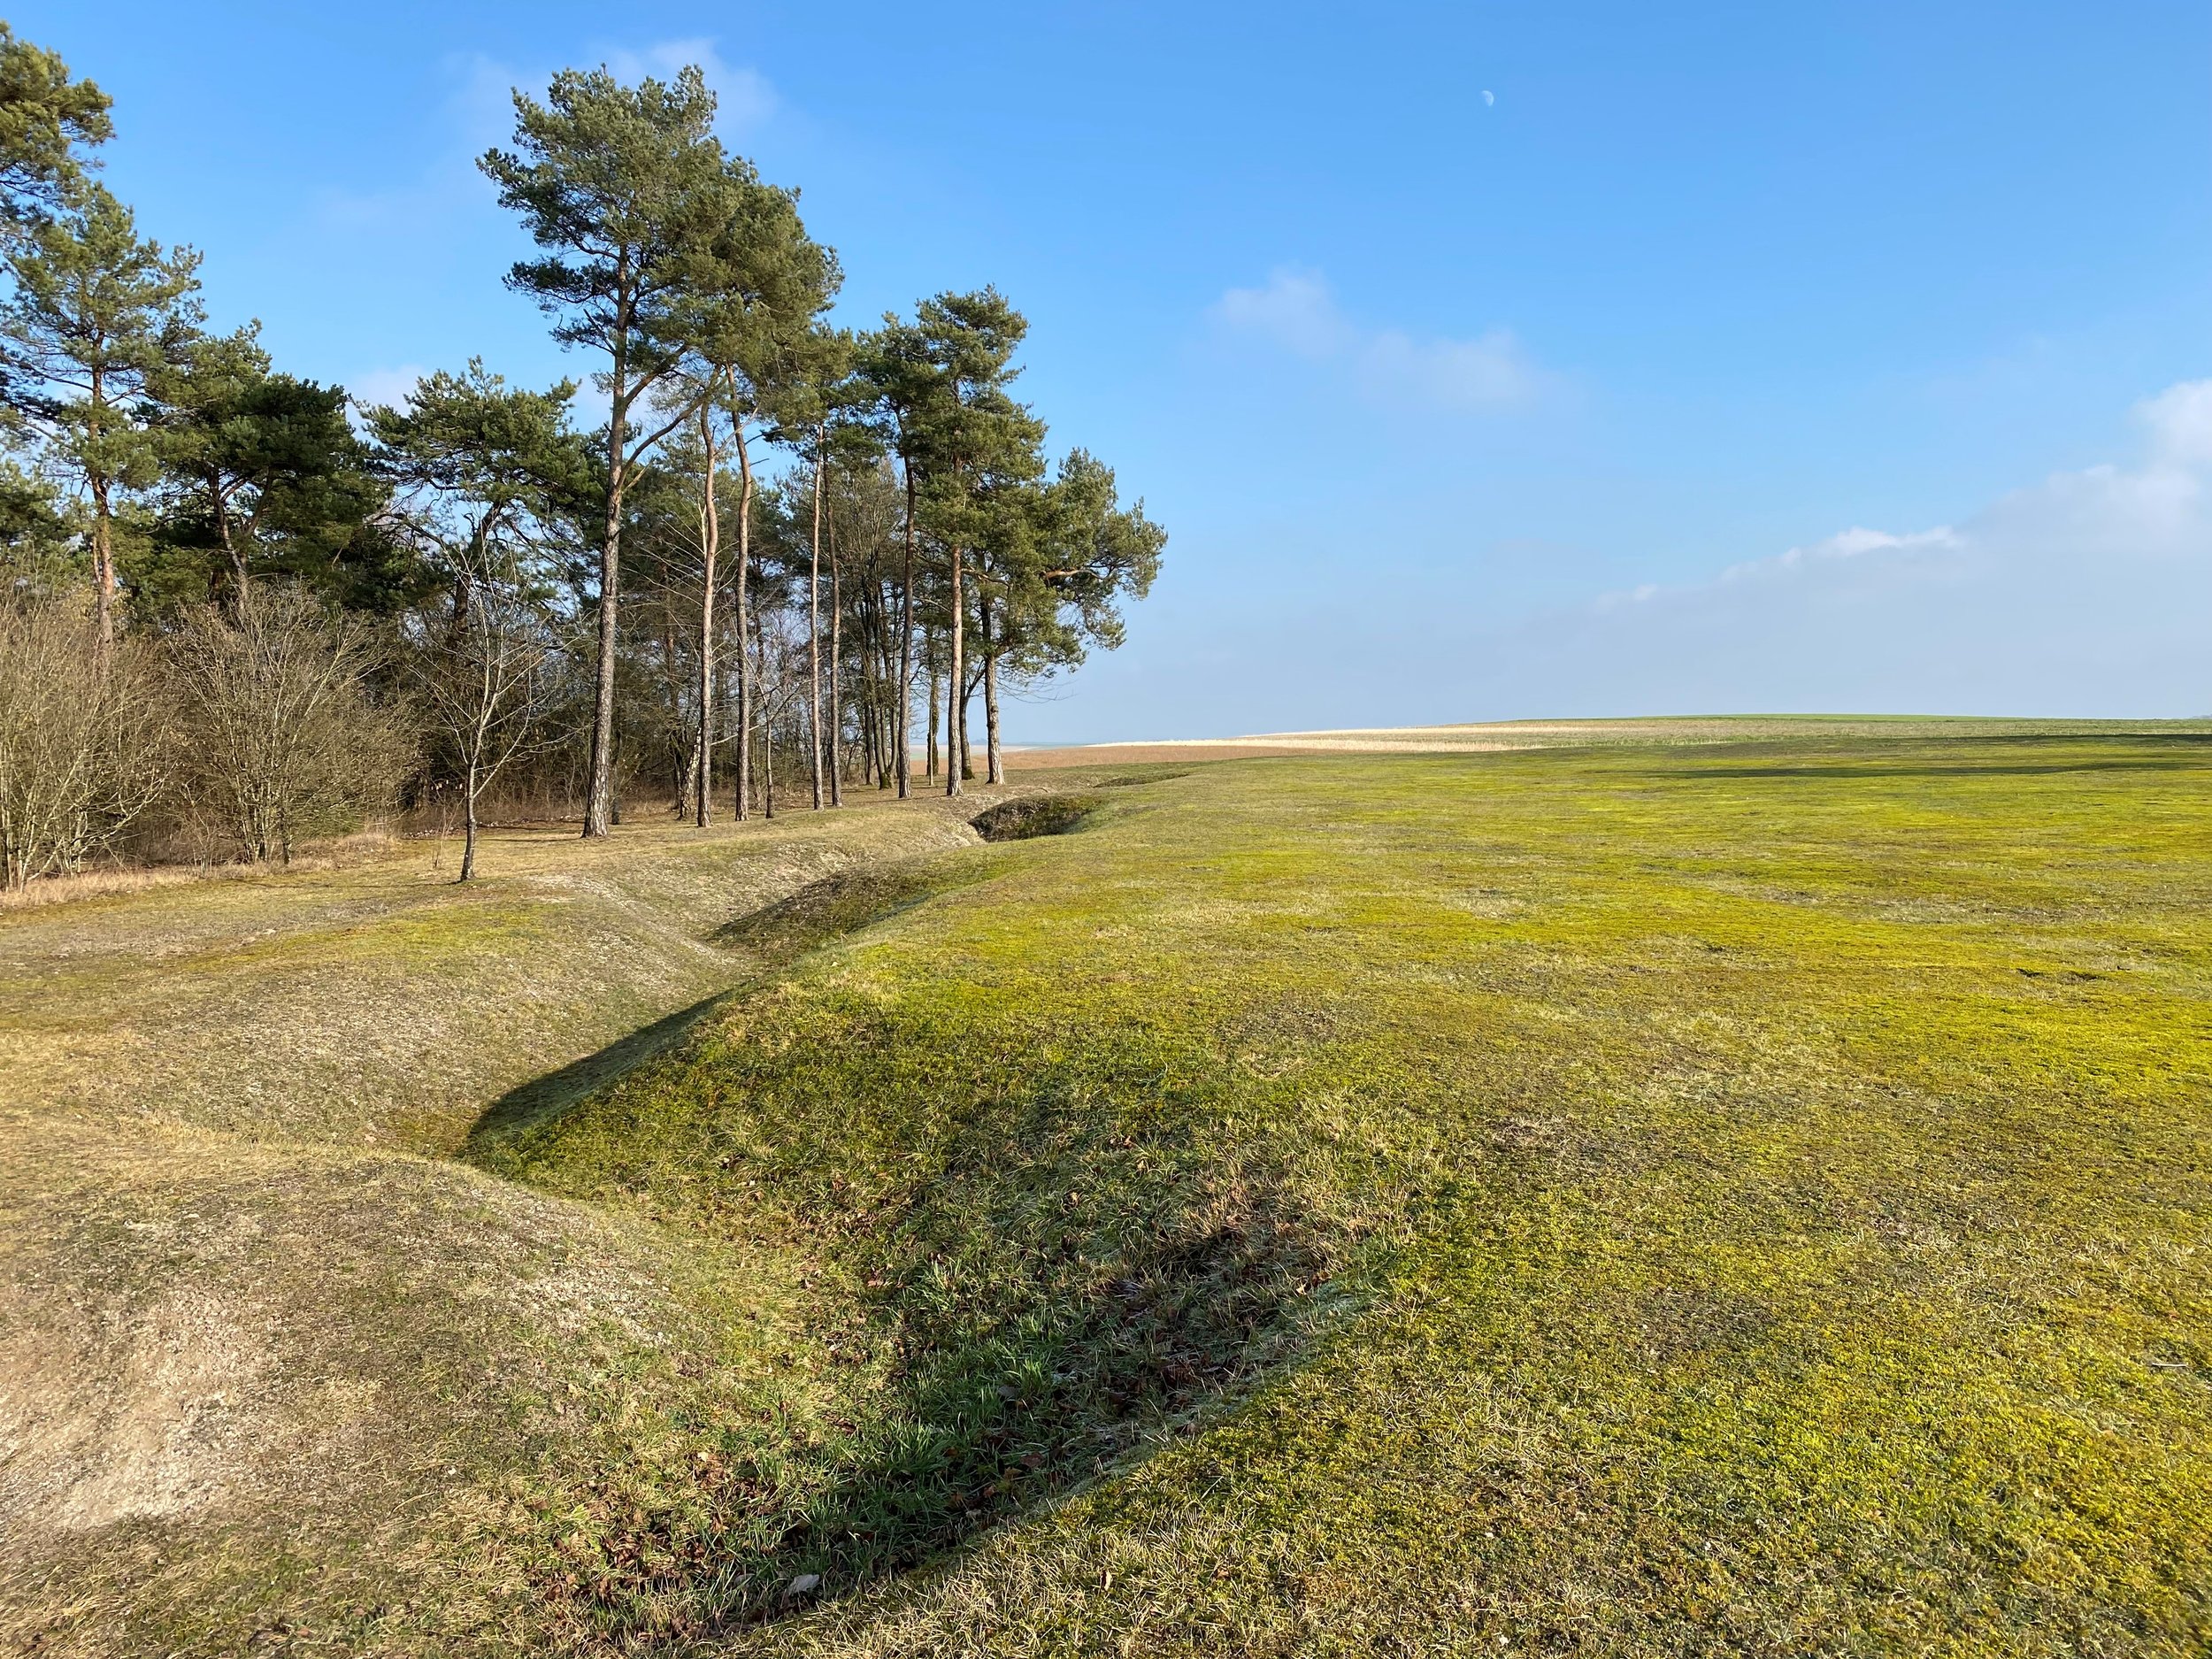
[(1750, 1200), (266, 1354)]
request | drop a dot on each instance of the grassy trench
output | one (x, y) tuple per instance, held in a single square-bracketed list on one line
[(270, 1359), (1749, 1200)]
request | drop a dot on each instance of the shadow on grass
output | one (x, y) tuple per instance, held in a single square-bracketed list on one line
[(547, 1096), (1023, 1363), (1039, 1266), (841, 904), (773, 936), (979, 1444)]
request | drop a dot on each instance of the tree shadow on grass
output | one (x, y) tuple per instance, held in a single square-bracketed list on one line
[(1066, 1270), (842, 904), (996, 1411), (1027, 817), (1000, 1400), (547, 1096)]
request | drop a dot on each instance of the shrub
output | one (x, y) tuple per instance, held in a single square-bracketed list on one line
[(285, 740), (82, 731)]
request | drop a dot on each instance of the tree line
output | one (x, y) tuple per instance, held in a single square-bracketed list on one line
[(245, 609)]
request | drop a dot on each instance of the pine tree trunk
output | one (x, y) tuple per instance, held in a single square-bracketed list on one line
[(879, 713), (967, 759), (104, 572), (995, 766), (230, 546), (836, 707), (903, 750), (709, 546), (869, 757), (744, 624), (103, 540), (814, 625), (930, 771), (599, 811), (955, 722)]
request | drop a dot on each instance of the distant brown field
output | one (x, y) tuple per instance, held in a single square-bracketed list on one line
[(1019, 760), (1514, 734)]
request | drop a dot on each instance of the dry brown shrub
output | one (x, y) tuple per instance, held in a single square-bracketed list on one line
[(285, 740), (82, 734)]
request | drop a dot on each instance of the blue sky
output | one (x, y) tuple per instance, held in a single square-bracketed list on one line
[(1482, 361)]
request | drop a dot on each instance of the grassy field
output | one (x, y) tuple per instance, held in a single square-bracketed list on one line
[(1748, 1198)]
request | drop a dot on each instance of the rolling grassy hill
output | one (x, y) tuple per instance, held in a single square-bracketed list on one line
[(1748, 1198)]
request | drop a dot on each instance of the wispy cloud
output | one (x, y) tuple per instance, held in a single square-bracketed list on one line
[(2179, 421), (1295, 310), (744, 101), (387, 386), (1857, 542), (2090, 592), (411, 232), (1489, 371), (479, 113)]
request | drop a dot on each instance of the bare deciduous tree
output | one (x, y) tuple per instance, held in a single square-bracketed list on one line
[(488, 676), (283, 742), (80, 737), (482, 472)]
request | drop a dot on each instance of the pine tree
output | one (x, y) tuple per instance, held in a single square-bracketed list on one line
[(640, 209), (46, 120), (95, 314)]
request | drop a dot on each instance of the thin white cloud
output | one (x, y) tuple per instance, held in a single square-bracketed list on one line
[(744, 101), (2090, 592), (2179, 421), (479, 113), (1486, 372), (481, 104), (1852, 543), (1296, 312), (389, 387)]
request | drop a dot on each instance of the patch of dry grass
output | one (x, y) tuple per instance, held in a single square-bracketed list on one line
[(266, 1354)]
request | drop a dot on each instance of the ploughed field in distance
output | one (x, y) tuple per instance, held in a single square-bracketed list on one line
[(1745, 1195)]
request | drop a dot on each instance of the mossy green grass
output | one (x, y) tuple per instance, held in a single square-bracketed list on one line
[(1746, 1200)]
